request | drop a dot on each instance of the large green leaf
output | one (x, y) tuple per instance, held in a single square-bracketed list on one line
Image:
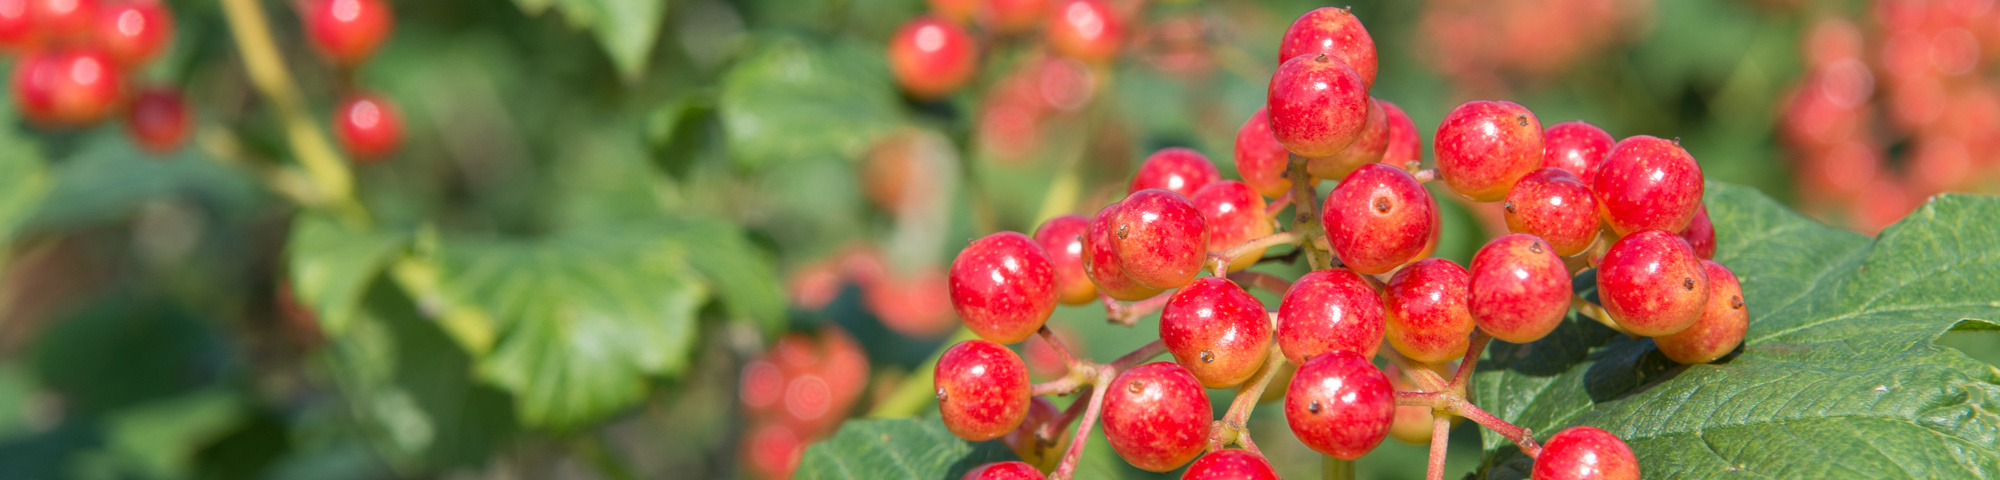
[(332, 263), (628, 29), (1838, 377), (899, 448), (796, 99)]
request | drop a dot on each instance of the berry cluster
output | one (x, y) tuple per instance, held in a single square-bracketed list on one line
[(74, 59), (346, 33), (797, 391), (1574, 198), (1914, 88), (1486, 45)]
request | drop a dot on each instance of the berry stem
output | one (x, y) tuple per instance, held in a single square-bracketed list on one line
[(1051, 429), (1461, 380), (1234, 426), (1440, 433), (1458, 405), (1219, 262), (1128, 314), (1334, 468), (1426, 379), (1305, 213), (1426, 175), (1141, 355), (266, 68), (1096, 400), (1263, 281), (1278, 205), (1056, 344), (1595, 312)]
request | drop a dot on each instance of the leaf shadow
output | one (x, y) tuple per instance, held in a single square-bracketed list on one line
[(982, 453), (1627, 366), (1569, 345)]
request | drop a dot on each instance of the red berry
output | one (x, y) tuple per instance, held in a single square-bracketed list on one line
[(1003, 287), (1720, 329), (1260, 159), (1427, 317), (347, 32), (846, 368), (773, 451), (369, 127), (916, 305), (1062, 239), (1340, 405), (1101, 260), (1552, 204), (1040, 448), (1379, 218), (1404, 146), (134, 32), (1576, 146), (1012, 16), (1648, 183), (1367, 148), (158, 120), (1235, 214), (1175, 169), (1156, 416), (982, 390), (1700, 234), (17, 24), (1520, 289), (1004, 471), (1330, 310), (898, 172), (1231, 464), (1652, 283), (68, 88), (1087, 30), (59, 21), (932, 58), (1217, 331), (1317, 105), (762, 386), (1161, 239), (1580, 453), (1335, 32), (1484, 146)]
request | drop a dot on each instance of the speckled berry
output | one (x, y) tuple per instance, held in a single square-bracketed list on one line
[(1037, 444), (1003, 287), (1652, 283), (1260, 159), (982, 390), (1156, 416), (1231, 464), (1100, 260), (1700, 234), (1004, 471), (1404, 147), (1235, 214), (1552, 204), (1484, 146), (1427, 317), (1062, 238), (1175, 169), (1586, 453), (1647, 183), (1160, 237), (1520, 288), (1576, 146), (1217, 331), (1330, 310), (1367, 148), (1378, 218), (1340, 405), (1335, 32), (1722, 324), (1317, 105)]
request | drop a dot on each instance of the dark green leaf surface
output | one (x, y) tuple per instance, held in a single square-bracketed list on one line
[(627, 29), (332, 265), (796, 99), (1838, 377), (919, 448)]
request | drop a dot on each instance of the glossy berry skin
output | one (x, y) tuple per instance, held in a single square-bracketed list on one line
[(932, 58), (1484, 146), (1340, 405), (17, 24), (1156, 416), (1230, 464), (1217, 331), (1335, 32), (158, 120), (1330, 310), (370, 127), (1586, 453), (1062, 239), (134, 32), (1404, 146), (1027, 440), (1235, 214), (1378, 218), (1552, 204), (1161, 238), (1647, 183), (1004, 471), (347, 32), (1576, 146), (1427, 317), (982, 390), (1366, 149), (67, 88), (1520, 289), (1652, 283), (1087, 30), (1175, 169), (761, 386), (1260, 159), (1003, 287), (1100, 260), (1723, 321), (772, 451), (1317, 105), (60, 21), (1700, 234)]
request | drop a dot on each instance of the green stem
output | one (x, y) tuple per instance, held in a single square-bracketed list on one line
[(918, 389), (1332, 468)]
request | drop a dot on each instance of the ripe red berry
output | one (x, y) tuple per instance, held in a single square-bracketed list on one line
[(1040, 448), (982, 390), (68, 88), (347, 32), (61, 21), (1580, 453), (1379, 218), (1404, 146), (1330, 310), (1576, 146), (1335, 32), (1340, 405), (932, 58), (1100, 260), (1062, 239), (772, 451), (1160, 237), (1004, 471), (914, 305), (1012, 16), (1235, 214), (1652, 283), (17, 24), (1647, 183), (158, 120), (1720, 329), (1520, 289), (1367, 148), (1552, 204), (1484, 146), (1087, 30), (1217, 331), (762, 386), (369, 127), (1427, 317), (1230, 464), (1156, 416), (1175, 169), (1260, 159), (134, 32), (1317, 105), (1700, 234), (1003, 287)]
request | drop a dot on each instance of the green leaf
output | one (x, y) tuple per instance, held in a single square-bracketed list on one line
[(1838, 377), (332, 264), (627, 29), (107, 177), (795, 99), (899, 448), (414, 387)]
